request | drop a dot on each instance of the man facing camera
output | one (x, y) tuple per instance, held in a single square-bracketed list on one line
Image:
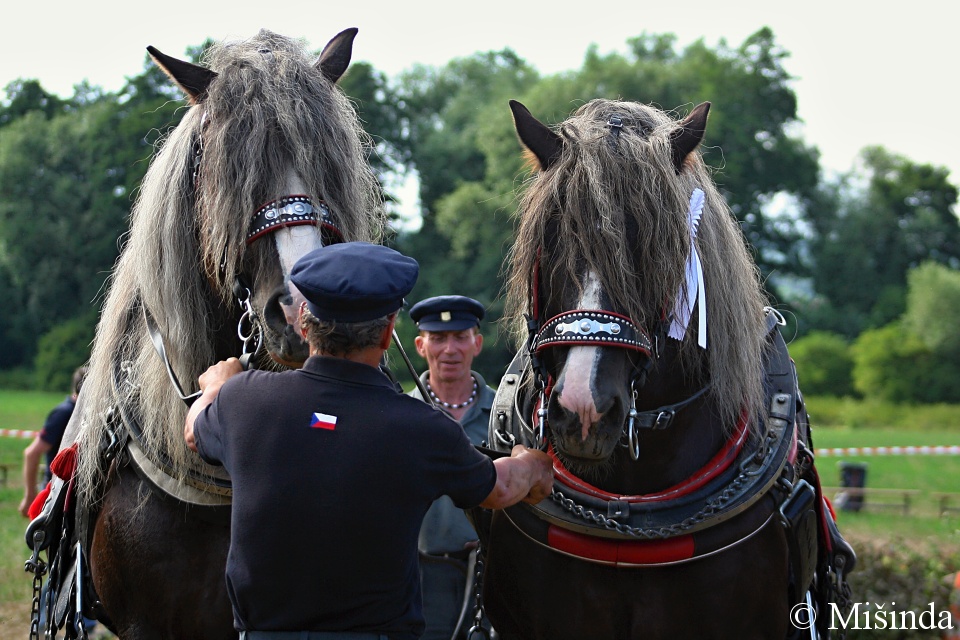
[(449, 340)]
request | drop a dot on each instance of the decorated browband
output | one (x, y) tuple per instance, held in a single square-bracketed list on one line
[(291, 211)]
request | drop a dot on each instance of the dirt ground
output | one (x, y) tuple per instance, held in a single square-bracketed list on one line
[(15, 619)]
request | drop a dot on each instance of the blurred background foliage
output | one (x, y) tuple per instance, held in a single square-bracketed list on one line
[(865, 264)]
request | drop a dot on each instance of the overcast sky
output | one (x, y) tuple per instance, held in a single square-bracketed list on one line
[(867, 72)]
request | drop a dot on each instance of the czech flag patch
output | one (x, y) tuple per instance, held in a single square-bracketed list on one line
[(323, 421)]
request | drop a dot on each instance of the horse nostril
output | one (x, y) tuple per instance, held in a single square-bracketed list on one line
[(557, 414), (273, 310), (606, 404)]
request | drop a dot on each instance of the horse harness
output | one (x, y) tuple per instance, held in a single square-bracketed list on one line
[(748, 484)]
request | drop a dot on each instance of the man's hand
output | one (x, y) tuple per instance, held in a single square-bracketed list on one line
[(210, 382), (31, 464), (527, 475), (542, 469), (213, 378)]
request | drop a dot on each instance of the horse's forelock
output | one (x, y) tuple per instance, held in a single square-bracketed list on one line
[(624, 216), (270, 112)]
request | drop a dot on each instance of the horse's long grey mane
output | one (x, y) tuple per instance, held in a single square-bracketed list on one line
[(269, 114), (619, 207)]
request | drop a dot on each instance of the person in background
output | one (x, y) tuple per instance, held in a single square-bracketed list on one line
[(449, 340), (47, 443), (334, 452)]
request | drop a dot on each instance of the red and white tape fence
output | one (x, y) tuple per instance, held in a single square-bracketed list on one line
[(18, 433), (953, 450), (890, 451)]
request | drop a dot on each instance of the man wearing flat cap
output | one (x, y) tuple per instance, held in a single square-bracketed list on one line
[(333, 469), (449, 340)]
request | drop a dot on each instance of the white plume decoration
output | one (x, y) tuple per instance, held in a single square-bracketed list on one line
[(693, 292)]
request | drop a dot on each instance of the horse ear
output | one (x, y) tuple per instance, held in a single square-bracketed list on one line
[(335, 57), (536, 136), (192, 79), (685, 138)]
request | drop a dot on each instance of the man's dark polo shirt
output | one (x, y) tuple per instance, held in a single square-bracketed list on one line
[(325, 520)]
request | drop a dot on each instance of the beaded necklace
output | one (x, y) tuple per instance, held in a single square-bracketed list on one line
[(454, 405)]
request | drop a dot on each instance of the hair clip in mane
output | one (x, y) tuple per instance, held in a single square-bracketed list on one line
[(616, 126)]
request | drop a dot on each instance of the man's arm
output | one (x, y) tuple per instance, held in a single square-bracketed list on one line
[(210, 383), (31, 463), (527, 475)]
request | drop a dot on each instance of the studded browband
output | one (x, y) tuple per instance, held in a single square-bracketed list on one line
[(291, 211), (591, 327)]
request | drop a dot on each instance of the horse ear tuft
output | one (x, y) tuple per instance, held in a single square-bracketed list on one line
[(688, 135), (192, 79), (539, 140), (335, 57)]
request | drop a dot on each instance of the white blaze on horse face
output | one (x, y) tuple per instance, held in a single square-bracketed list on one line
[(581, 368), (292, 244)]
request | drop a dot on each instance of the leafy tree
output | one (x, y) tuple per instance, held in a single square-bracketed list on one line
[(933, 306), (378, 109), (824, 364), (917, 358), (865, 239), (61, 350), (66, 186), (48, 227), (27, 96)]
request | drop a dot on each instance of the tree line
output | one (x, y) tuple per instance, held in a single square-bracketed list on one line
[(845, 257)]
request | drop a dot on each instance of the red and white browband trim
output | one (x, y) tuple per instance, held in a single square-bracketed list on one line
[(291, 211)]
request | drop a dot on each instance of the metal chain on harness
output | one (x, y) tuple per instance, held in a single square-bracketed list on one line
[(478, 630), (659, 533), (39, 568), (838, 590)]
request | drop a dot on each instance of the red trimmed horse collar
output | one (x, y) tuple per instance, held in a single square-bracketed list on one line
[(582, 520)]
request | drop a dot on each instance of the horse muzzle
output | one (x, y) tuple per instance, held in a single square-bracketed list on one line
[(585, 434), (282, 335)]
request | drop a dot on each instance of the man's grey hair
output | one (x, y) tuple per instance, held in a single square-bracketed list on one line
[(342, 338)]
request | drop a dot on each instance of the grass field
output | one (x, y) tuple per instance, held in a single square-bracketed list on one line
[(922, 530)]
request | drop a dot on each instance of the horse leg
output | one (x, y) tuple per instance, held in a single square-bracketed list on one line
[(158, 565)]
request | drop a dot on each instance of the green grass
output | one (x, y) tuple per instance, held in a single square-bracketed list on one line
[(930, 474), (26, 409)]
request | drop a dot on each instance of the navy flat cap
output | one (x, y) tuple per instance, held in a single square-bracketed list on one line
[(447, 313), (354, 281)]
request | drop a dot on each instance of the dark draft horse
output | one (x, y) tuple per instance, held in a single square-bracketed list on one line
[(268, 162), (685, 504)]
